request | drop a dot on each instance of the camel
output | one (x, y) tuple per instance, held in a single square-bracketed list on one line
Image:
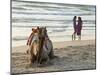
[(41, 48)]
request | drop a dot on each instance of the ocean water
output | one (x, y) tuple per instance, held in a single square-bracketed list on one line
[(57, 17)]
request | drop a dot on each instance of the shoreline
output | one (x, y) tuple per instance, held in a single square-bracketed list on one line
[(53, 39), (72, 55), (62, 44)]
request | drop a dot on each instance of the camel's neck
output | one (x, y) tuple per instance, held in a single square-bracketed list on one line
[(41, 43)]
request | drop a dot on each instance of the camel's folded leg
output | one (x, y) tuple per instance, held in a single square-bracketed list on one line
[(51, 54), (44, 58), (50, 49), (47, 60), (31, 55), (28, 53)]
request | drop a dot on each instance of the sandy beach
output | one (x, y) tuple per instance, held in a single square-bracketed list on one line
[(71, 55)]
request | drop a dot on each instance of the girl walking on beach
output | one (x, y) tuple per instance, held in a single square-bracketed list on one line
[(74, 26), (79, 28)]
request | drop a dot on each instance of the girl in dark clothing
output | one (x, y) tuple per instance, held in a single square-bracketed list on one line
[(74, 26), (74, 23), (79, 27)]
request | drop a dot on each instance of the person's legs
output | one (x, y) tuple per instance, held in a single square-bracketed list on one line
[(74, 35), (79, 35)]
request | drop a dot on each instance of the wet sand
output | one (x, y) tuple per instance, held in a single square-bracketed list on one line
[(71, 55)]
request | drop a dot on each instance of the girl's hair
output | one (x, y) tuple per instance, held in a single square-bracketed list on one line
[(79, 18), (74, 18)]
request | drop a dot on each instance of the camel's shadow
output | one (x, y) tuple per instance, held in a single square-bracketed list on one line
[(55, 61), (44, 64)]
